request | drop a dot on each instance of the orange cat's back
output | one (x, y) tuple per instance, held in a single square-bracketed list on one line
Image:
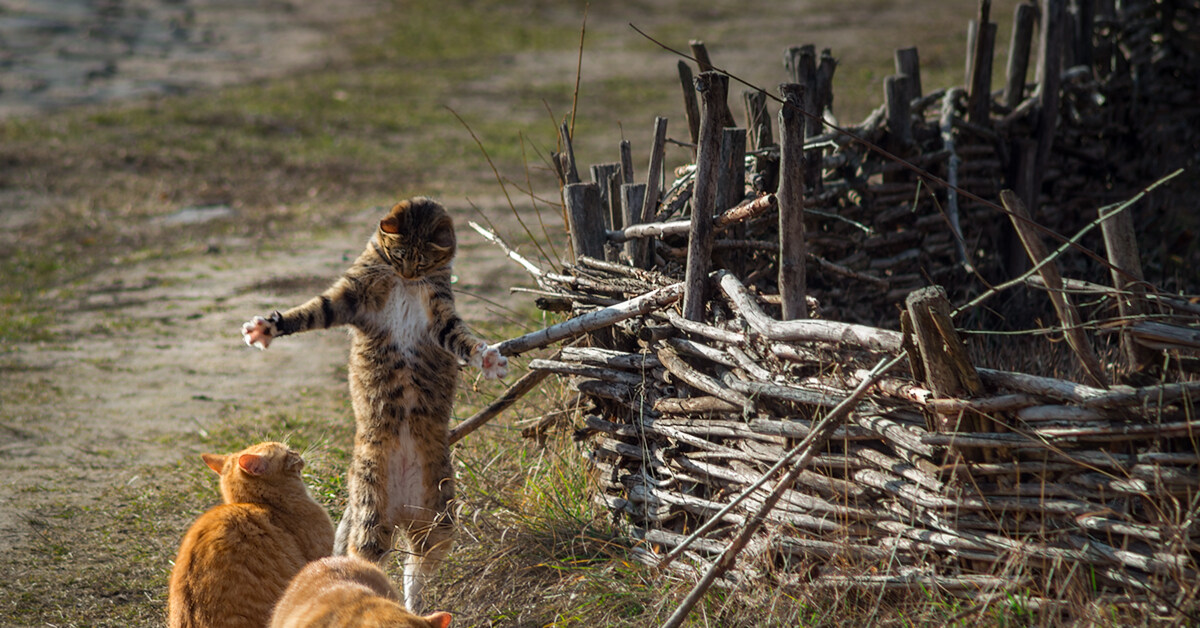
[(346, 592), (237, 559)]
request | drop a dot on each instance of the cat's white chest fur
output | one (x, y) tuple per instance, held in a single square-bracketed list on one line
[(406, 316)]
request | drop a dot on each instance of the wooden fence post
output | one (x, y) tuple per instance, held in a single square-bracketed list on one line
[(758, 124), (1018, 54), (585, 219), (943, 356), (792, 246), (640, 251), (909, 64), (712, 87), (691, 107), (979, 77)]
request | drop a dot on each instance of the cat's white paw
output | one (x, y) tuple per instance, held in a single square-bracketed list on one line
[(494, 365), (259, 332)]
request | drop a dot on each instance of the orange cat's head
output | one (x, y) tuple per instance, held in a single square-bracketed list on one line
[(417, 237), (248, 475)]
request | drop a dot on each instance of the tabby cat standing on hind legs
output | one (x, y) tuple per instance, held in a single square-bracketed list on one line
[(406, 344), (236, 560)]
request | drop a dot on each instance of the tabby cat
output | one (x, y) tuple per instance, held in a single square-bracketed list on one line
[(406, 344), (237, 558), (346, 592)]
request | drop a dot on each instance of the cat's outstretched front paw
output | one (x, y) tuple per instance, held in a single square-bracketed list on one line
[(489, 360), (260, 331)]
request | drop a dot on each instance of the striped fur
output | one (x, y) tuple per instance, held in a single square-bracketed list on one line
[(406, 344), (346, 592), (236, 560)]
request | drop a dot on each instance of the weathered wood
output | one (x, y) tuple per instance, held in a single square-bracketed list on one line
[(758, 125), (946, 124), (948, 371), (601, 173), (731, 171), (899, 113), (704, 64), (639, 251), (526, 383), (1067, 313), (979, 76), (592, 320), (1120, 244), (792, 246), (585, 217), (908, 63), (745, 211), (834, 332), (691, 105), (825, 71), (654, 170), (712, 87), (1052, 27), (626, 151), (569, 171), (1024, 17)]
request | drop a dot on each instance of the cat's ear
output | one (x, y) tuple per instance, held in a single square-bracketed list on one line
[(214, 461), (390, 225), (443, 235), (253, 464), (440, 620)]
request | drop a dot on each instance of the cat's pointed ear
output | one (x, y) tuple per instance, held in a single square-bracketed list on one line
[(214, 461), (253, 464), (440, 619), (390, 225), (443, 236)]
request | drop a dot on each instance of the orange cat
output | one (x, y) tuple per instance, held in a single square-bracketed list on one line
[(237, 558), (346, 592)]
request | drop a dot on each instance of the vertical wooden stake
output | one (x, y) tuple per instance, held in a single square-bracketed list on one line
[(899, 113), (654, 173), (792, 245), (600, 176), (947, 370), (825, 72), (626, 162), (1067, 313), (731, 185), (979, 79), (691, 108), (585, 219), (759, 125), (1050, 73), (570, 173), (909, 64), (1018, 54), (638, 250), (713, 88), (731, 174)]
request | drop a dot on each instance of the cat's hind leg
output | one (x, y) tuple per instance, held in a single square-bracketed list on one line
[(363, 530), (428, 545)]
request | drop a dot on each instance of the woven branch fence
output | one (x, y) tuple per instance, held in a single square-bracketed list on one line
[(769, 349)]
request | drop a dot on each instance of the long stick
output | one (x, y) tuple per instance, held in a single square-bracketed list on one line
[(593, 320), (493, 409), (807, 447)]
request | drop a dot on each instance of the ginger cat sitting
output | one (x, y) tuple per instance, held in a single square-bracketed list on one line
[(346, 592), (237, 558)]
